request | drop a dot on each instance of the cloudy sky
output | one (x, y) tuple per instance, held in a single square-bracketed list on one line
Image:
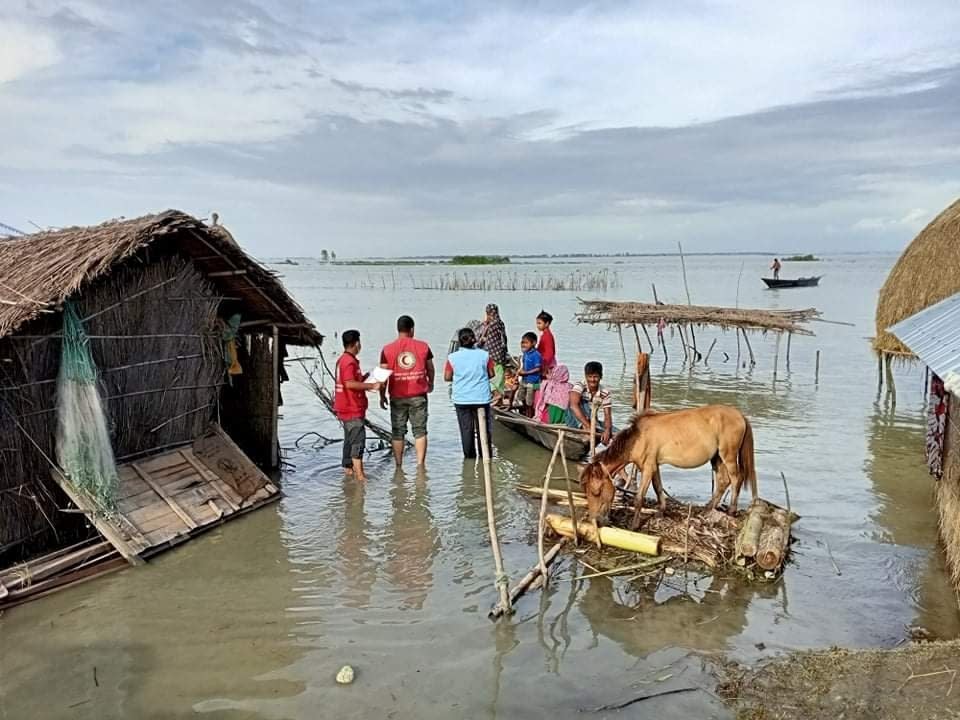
[(425, 126)]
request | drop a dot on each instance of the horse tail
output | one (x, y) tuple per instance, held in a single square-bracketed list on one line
[(748, 468)]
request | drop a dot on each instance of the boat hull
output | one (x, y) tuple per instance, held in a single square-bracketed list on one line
[(777, 283), (576, 443)]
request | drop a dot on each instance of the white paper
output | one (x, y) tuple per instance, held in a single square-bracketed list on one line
[(379, 374)]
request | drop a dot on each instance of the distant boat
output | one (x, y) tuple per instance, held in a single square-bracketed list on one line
[(288, 261), (777, 283)]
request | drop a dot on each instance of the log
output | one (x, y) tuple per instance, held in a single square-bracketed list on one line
[(772, 544), (772, 548), (557, 496), (615, 537), (526, 582), (749, 536)]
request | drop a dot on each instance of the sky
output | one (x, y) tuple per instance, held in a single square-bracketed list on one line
[(508, 126)]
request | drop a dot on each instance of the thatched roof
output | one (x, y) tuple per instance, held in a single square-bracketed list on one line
[(926, 273), (604, 312), (38, 272)]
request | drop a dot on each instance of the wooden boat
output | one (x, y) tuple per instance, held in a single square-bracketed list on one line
[(777, 283), (576, 442)]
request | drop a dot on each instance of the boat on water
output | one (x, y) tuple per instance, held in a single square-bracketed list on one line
[(576, 442), (777, 283), (288, 261)]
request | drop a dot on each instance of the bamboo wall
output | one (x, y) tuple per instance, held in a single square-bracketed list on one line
[(156, 341)]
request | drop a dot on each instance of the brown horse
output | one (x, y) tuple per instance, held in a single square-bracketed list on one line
[(718, 434)]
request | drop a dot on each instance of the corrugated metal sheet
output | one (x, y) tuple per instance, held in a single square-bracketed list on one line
[(933, 335)]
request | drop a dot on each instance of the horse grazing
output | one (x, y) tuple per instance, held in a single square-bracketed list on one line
[(718, 434)]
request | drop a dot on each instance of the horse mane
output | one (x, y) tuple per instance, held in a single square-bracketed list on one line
[(623, 441)]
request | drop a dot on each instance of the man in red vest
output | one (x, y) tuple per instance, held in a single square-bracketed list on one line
[(411, 363)]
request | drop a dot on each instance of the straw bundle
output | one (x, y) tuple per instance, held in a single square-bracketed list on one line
[(926, 273)]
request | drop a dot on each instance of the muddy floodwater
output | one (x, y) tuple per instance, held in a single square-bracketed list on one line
[(254, 619)]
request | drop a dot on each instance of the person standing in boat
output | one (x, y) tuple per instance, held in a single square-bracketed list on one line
[(546, 344), (470, 369), (776, 268), (493, 339), (412, 374)]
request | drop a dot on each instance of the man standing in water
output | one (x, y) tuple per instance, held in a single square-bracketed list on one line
[(411, 363)]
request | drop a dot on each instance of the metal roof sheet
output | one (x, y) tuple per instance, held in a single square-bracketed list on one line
[(933, 334)]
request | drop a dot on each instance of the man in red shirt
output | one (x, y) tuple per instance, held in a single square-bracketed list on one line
[(350, 404), (546, 345), (411, 364)]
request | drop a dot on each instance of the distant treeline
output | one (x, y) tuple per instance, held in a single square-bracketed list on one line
[(479, 260), (801, 258)]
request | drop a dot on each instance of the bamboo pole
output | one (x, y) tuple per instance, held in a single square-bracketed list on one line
[(753, 360), (544, 498), (526, 581), (879, 371), (776, 356), (615, 537), (623, 350), (593, 428), (816, 369), (570, 501), (649, 341), (502, 581), (706, 360), (789, 338), (636, 335)]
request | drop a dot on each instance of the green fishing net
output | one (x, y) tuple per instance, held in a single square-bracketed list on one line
[(83, 439)]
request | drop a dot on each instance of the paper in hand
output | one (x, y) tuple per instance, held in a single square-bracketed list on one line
[(379, 374)]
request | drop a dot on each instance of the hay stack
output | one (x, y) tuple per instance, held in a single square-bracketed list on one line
[(926, 273)]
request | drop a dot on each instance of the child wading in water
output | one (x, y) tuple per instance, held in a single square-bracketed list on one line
[(530, 373), (350, 404)]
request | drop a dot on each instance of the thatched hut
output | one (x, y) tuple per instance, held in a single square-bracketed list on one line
[(159, 298), (926, 273), (933, 336)]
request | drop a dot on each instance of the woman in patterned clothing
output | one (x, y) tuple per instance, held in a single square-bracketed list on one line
[(493, 339)]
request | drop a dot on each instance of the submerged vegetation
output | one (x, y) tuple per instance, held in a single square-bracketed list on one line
[(600, 280), (802, 258)]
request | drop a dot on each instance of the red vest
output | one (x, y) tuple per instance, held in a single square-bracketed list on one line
[(349, 404), (407, 357)]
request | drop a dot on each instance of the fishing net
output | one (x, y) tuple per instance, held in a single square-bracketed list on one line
[(83, 439)]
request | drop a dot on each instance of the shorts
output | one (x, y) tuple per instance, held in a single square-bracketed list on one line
[(354, 441), (412, 410), (528, 393)]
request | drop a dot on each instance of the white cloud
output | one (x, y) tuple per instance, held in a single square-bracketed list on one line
[(23, 50)]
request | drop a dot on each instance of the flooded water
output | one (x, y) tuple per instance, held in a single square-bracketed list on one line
[(254, 619)]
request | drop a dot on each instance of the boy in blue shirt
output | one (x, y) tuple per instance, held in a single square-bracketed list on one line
[(530, 373)]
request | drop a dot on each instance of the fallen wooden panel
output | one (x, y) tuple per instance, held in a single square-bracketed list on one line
[(169, 497), (222, 456)]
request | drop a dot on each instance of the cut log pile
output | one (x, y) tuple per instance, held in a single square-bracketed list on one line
[(755, 542)]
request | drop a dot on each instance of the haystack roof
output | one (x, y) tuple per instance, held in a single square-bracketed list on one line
[(926, 273), (605, 312), (39, 272)]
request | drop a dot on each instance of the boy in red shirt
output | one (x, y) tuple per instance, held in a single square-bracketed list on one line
[(350, 403), (546, 345), (412, 375)]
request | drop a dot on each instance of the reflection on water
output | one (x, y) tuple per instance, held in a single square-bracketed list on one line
[(395, 576)]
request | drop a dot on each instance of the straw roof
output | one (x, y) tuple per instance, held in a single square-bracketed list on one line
[(603, 312), (926, 273), (39, 271)]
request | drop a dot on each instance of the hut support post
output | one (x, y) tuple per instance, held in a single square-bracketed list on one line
[(275, 404), (623, 350), (891, 387), (816, 369), (502, 581), (636, 335), (542, 524), (789, 338), (879, 371), (649, 341)]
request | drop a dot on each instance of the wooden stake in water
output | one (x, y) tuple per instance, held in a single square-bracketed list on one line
[(753, 360), (816, 369), (622, 348), (789, 338), (566, 474), (542, 524), (502, 581), (776, 356)]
